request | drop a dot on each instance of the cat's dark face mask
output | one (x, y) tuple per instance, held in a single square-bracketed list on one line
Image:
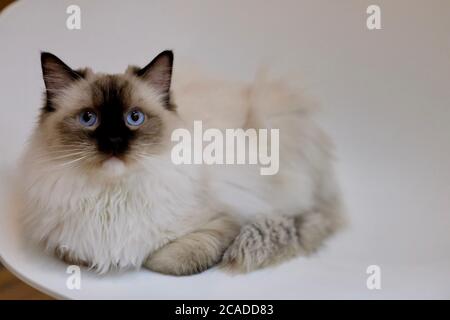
[(113, 135), (98, 117)]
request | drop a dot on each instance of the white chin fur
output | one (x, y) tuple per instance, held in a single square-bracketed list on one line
[(113, 167)]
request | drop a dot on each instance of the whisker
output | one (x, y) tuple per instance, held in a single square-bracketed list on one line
[(150, 144), (61, 151), (62, 156), (68, 151), (154, 158), (51, 160), (73, 161)]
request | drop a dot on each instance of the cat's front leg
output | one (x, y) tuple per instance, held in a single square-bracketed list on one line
[(196, 251)]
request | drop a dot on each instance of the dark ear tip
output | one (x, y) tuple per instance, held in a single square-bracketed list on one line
[(167, 53), (45, 56)]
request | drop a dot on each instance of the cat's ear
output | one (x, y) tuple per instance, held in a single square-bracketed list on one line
[(158, 73), (57, 75)]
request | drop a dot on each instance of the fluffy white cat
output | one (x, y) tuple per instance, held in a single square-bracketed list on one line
[(100, 189)]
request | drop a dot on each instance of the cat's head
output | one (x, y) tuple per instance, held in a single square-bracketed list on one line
[(100, 121)]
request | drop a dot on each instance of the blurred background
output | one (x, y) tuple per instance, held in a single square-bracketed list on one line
[(10, 286)]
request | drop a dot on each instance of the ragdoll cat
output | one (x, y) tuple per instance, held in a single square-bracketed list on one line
[(100, 188)]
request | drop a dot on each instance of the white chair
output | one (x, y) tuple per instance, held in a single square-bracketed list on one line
[(390, 126)]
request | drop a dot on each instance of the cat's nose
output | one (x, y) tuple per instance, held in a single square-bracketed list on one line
[(115, 140), (115, 144), (111, 143)]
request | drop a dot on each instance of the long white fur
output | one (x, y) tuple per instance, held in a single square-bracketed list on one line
[(130, 215)]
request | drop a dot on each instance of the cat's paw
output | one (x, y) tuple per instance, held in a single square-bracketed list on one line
[(245, 253), (178, 260), (66, 255), (195, 252), (261, 244)]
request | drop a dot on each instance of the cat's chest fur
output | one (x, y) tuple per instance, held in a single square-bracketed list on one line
[(114, 223)]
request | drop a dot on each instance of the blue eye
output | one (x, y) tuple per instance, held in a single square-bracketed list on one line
[(135, 118), (88, 118)]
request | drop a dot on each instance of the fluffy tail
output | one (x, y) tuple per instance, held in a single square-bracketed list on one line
[(271, 240)]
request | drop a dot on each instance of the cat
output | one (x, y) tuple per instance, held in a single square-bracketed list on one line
[(99, 187)]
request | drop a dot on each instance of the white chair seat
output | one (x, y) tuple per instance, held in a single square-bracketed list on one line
[(385, 102)]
